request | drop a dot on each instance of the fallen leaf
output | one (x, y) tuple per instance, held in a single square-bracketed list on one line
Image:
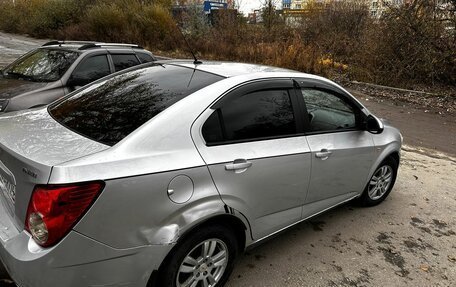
[(452, 258), (424, 268)]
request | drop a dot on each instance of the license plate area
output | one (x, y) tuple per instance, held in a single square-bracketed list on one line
[(7, 228), (7, 188)]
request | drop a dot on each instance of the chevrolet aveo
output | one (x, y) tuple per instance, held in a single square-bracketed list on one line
[(161, 175)]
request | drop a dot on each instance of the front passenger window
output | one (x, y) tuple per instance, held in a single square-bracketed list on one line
[(328, 112), (89, 70)]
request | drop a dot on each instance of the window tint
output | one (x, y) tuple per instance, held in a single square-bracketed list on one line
[(92, 69), (327, 111), (145, 58), (256, 115), (122, 62), (43, 65), (212, 130), (110, 110)]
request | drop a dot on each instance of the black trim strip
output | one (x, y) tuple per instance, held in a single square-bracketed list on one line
[(254, 139)]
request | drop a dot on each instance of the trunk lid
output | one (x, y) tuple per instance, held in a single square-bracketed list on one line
[(31, 143)]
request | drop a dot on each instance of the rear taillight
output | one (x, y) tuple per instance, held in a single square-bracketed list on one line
[(54, 209)]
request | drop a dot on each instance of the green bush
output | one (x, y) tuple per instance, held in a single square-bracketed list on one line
[(130, 21), (48, 16), (107, 22), (9, 19), (40, 18)]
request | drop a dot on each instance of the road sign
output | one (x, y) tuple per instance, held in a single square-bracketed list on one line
[(214, 5)]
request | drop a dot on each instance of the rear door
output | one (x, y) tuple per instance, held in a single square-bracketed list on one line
[(342, 151), (253, 145)]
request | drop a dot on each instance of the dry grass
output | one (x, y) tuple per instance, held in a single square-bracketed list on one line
[(405, 47)]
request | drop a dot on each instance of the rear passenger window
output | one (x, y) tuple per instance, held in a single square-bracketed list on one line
[(125, 61), (145, 58), (257, 115)]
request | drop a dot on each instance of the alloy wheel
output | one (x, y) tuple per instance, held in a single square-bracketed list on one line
[(380, 182), (204, 265)]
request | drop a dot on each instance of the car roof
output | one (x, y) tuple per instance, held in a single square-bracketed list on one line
[(226, 69)]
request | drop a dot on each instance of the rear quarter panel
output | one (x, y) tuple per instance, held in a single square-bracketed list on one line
[(137, 211)]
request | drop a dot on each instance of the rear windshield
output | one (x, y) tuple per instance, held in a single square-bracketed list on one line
[(108, 111)]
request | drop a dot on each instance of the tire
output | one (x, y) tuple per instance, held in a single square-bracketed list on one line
[(380, 184), (175, 272)]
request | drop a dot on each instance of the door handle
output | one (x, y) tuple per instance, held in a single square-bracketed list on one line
[(323, 154), (238, 165)]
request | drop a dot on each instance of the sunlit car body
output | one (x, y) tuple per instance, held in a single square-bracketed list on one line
[(58, 68), (161, 174)]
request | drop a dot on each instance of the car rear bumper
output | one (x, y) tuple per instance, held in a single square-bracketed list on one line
[(76, 261)]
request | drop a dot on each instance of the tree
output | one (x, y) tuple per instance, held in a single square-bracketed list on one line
[(268, 12)]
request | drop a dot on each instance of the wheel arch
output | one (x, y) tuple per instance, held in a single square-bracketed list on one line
[(391, 150), (226, 220), (395, 155)]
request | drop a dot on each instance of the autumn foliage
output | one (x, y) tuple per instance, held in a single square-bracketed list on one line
[(407, 45)]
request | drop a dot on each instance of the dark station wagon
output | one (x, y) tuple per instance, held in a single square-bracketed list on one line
[(58, 68)]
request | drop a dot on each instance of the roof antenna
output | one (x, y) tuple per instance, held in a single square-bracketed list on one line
[(196, 62)]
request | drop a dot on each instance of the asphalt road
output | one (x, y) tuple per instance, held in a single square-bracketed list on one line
[(13, 46), (409, 240)]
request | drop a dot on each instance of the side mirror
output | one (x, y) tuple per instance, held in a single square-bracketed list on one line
[(374, 125)]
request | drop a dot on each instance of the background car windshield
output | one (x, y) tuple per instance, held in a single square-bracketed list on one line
[(111, 111), (42, 65)]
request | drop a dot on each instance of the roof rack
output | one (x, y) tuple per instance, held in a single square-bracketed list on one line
[(88, 44), (94, 45), (52, 43)]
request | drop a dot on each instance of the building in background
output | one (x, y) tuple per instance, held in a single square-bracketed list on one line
[(376, 7), (256, 17), (295, 10), (303, 4), (207, 6), (202, 11)]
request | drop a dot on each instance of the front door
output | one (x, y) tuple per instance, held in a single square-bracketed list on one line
[(342, 151)]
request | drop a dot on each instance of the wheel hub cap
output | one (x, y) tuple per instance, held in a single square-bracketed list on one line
[(203, 268), (380, 182)]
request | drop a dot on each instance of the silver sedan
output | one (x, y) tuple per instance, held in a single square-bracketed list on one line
[(161, 175)]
